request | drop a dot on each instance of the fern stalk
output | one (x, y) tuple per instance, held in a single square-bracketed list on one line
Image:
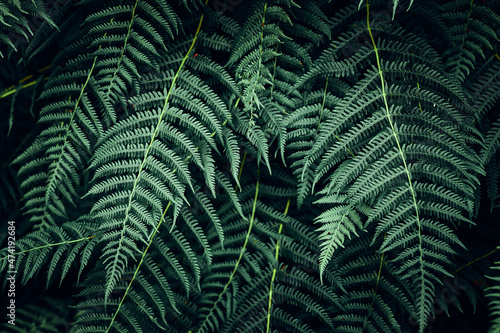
[(50, 245), (114, 266), (115, 72), (137, 270), (422, 307), (365, 322), (322, 105), (237, 262), (273, 277)]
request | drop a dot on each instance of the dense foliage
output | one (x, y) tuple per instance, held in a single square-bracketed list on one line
[(249, 166)]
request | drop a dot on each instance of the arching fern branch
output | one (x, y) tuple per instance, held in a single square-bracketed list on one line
[(253, 54), (82, 98), (235, 293), (371, 285), (411, 171), (133, 192), (206, 322), (55, 248), (472, 30)]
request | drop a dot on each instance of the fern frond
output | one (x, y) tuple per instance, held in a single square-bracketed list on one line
[(370, 282), (472, 28), (494, 300), (56, 248), (83, 92), (144, 179), (15, 21), (157, 169), (370, 149)]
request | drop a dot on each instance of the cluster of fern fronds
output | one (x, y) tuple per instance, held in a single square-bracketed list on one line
[(249, 166)]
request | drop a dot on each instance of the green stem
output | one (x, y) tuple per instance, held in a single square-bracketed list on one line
[(239, 259), (403, 158), (138, 267), (50, 245), (322, 105), (274, 273)]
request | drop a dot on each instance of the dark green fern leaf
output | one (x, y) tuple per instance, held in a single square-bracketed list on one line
[(376, 148)]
